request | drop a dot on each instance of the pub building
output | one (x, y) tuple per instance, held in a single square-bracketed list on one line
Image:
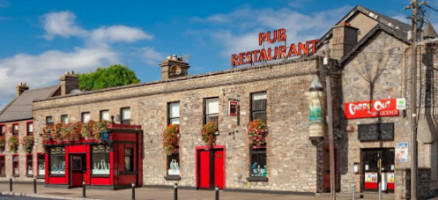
[(112, 162), (367, 59)]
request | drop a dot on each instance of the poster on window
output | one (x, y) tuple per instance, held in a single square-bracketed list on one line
[(371, 177), (401, 152), (390, 177)]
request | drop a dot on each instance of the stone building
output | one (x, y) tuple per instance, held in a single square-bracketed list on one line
[(369, 72)]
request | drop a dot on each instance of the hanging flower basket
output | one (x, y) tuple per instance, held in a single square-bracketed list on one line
[(2, 143), (257, 132), (171, 138), (87, 129), (208, 134), (13, 143), (27, 142), (74, 131), (47, 132), (98, 128), (57, 132)]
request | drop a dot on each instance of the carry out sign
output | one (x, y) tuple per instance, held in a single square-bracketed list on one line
[(365, 109)]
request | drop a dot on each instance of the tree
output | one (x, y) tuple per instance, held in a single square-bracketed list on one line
[(114, 75)]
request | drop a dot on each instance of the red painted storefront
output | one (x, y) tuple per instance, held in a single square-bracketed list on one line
[(114, 162)]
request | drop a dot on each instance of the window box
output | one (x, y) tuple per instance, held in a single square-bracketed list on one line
[(172, 177), (257, 179)]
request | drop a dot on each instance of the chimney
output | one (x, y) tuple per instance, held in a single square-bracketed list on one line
[(429, 32), (21, 88), (344, 39), (69, 82), (173, 67)]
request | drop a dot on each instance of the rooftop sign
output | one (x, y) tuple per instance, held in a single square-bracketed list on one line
[(277, 52)]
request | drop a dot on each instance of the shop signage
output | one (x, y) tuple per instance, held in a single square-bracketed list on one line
[(401, 152), (277, 52), (377, 108), (233, 107), (401, 104), (316, 120)]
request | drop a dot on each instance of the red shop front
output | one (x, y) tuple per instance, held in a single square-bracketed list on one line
[(113, 162)]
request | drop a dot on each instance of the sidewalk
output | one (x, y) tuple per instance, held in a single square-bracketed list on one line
[(162, 194)]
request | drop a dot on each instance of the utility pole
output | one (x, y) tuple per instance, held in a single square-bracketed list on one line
[(330, 124), (414, 102)]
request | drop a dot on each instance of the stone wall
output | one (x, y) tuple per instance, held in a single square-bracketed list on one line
[(291, 156)]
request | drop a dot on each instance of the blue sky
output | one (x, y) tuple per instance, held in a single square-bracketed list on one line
[(42, 39)]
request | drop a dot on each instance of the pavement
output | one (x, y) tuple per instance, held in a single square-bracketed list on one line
[(147, 193)]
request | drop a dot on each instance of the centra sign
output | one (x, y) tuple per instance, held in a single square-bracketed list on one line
[(278, 52)]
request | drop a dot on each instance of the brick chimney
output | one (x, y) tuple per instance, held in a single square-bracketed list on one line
[(21, 88), (69, 82), (344, 39), (173, 67)]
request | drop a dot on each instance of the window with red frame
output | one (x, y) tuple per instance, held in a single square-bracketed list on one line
[(2, 165), (258, 156), (29, 166), (30, 128), (15, 129), (41, 165), (2, 130), (15, 165)]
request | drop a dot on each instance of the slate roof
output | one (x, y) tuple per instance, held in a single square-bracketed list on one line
[(20, 108)]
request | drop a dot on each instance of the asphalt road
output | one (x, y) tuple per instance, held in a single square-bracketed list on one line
[(21, 198)]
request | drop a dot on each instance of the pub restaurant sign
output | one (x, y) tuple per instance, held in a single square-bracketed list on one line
[(278, 52)]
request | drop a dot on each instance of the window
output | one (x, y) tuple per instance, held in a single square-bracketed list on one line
[(258, 106), (30, 128), (125, 114), (2, 166), (104, 115), (173, 114), (64, 119), (85, 117), (100, 164), (258, 162), (14, 165), (173, 164), (129, 159), (41, 165), (15, 129), (49, 120), (57, 161), (212, 110), (29, 166), (2, 130)]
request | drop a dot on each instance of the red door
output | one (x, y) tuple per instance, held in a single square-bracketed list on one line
[(326, 170), (204, 168), (77, 166), (211, 168), (219, 168)]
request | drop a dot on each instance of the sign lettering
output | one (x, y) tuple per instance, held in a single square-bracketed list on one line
[(365, 109)]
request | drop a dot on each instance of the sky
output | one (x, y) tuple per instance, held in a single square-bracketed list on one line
[(42, 39)]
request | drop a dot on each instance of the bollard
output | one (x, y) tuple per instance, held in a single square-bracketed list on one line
[(83, 189), (353, 196), (175, 191), (133, 191), (10, 184), (34, 186), (216, 196)]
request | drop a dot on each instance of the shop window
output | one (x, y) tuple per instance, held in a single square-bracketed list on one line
[(173, 109), (85, 117), (2, 130), (173, 164), (258, 162), (100, 164), (15, 171), (212, 111), (2, 165), (57, 161), (41, 165), (104, 115), (129, 159), (49, 120), (64, 119), (30, 128), (258, 106), (29, 166), (125, 114), (15, 129)]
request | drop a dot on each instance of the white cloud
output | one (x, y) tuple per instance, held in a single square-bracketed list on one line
[(62, 24), (299, 3), (119, 33), (151, 56)]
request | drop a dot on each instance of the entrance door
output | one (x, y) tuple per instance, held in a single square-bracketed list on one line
[(326, 170), (370, 175), (211, 168), (77, 169)]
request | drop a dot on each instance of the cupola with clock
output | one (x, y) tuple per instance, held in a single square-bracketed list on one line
[(173, 67)]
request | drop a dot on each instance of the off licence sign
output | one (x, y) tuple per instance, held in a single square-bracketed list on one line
[(365, 109)]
